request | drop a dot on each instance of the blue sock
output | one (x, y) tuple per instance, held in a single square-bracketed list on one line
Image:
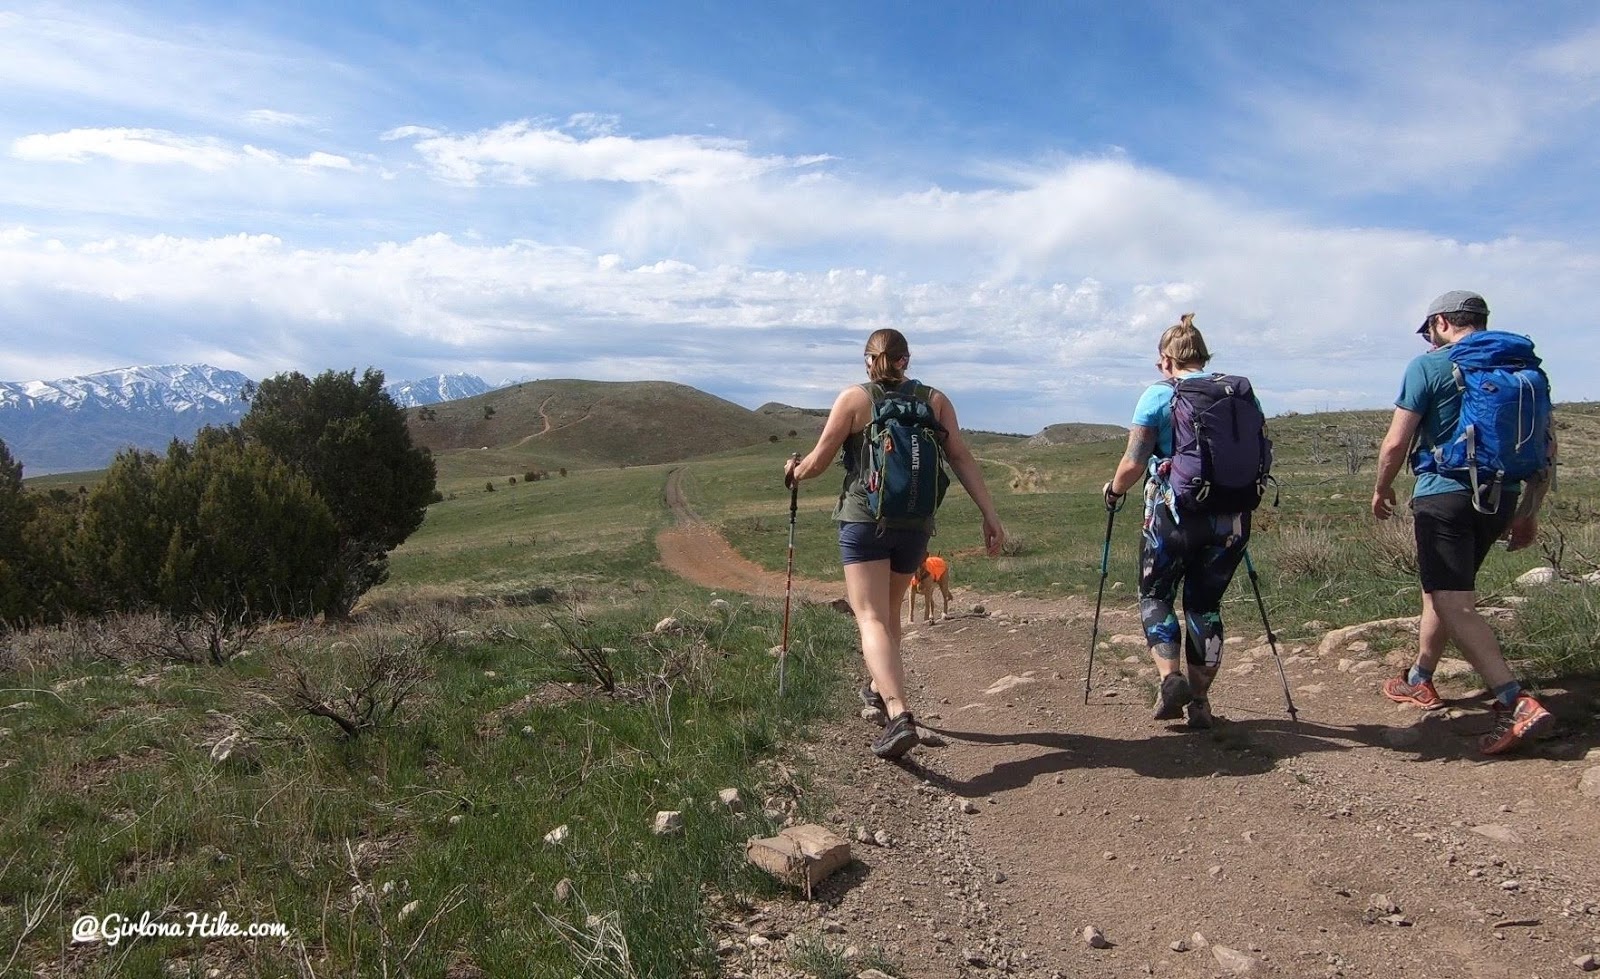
[(1507, 692), (1419, 675)]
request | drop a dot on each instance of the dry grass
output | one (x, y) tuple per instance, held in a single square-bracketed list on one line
[(1303, 549)]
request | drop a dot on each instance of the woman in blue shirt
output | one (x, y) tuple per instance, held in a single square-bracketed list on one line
[(1200, 551)]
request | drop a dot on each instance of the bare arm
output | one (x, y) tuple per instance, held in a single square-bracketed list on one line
[(968, 471), (850, 414), (1391, 456), (1135, 460)]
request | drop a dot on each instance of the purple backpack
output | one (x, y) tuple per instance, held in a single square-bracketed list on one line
[(1222, 458)]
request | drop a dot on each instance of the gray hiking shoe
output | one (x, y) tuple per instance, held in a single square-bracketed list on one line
[(1200, 716), (898, 738), (873, 707), (1173, 697)]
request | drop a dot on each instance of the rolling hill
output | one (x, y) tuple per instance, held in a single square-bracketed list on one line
[(592, 424)]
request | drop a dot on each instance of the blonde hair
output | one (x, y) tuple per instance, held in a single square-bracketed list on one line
[(887, 354), (1184, 344)]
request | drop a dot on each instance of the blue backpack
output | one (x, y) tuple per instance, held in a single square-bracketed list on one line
[(903, 456), (1221, 456), (1503, 432)]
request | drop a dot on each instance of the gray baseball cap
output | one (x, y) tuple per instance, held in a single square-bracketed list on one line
[(1454, 301)]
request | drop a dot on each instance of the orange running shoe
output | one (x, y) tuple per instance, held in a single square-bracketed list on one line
[(1513, 725), (1421, 695)]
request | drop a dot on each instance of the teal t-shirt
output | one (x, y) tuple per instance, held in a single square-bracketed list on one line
[(1154, 410), (1429, 389)]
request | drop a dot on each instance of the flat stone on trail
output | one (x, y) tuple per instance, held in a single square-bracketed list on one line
[(1233, 961), (802, 855), (1495, 831), (1589, 784), (1450, 668), (1007, 682), (1094, 937)]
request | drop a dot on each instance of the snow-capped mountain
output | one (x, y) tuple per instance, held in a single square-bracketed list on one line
[(433, 390), (78, 423)]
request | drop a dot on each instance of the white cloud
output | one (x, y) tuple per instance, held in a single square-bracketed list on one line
[(113, 55), (158, 148), (273, 117), (141, 146), (407, 132), (521, 152), (1577, 57), (1321, 318), (1400, 104)]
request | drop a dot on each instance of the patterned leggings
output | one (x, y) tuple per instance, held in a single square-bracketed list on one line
[(1202, 552)]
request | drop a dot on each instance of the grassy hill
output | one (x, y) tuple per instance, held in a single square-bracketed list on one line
[(1076, 433), (585, 425)]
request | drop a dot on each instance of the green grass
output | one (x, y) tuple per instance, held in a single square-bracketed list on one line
[(111, 795), (109, 801)]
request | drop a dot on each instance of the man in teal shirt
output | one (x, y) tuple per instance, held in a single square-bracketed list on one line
[(1453, 537)]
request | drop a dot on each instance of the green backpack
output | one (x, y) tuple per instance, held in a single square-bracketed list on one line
[(902, 464)]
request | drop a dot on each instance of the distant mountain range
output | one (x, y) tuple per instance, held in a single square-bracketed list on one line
[(80, 423), (433, 390)]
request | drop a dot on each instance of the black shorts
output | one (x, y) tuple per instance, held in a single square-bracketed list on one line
[(1453, 539), (904, 549)]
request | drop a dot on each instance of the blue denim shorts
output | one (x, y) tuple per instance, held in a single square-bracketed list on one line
[(904, 549)]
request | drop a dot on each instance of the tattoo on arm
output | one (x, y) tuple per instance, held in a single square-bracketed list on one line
[(1141, 442)]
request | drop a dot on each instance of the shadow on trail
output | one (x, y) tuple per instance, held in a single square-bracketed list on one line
[(1235, 748)]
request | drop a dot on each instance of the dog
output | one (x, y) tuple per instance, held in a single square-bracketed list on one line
[(934, 573)]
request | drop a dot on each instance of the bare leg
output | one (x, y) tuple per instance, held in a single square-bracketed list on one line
[(1458, 617), (1431, 635), (875, 595)]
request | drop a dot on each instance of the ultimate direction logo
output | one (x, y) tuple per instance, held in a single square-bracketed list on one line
[(916, 470)]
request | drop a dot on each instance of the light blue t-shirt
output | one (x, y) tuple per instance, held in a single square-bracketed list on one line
[(1429, 389), (1154, 410)]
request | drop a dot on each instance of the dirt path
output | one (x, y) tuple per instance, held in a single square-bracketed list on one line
[(693, 550), (1368, 840)]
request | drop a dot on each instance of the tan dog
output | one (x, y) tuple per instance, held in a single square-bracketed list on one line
[(934, 573)]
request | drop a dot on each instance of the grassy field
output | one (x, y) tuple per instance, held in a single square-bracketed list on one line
[(520, 624)]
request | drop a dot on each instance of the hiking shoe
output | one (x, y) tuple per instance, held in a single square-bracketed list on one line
[(1422, 695), (1173, 696), (872, 698), (1514, 725), (1200, 714), (898, 738)]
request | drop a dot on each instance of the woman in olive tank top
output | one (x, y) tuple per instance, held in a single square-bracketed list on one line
[(879, 562)]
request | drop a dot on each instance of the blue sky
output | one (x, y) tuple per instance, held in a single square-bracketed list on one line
[(734, 195)]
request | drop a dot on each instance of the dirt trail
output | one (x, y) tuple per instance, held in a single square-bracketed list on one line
[(694, 551), (1368, 840)]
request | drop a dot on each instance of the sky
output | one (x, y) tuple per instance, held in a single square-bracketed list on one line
[(734, 195)]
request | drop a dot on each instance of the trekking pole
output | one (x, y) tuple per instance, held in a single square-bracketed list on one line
[(1272, 640), (788, 584), (1105, 563)]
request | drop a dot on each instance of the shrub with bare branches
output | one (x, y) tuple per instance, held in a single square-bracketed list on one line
[(364, 690)]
